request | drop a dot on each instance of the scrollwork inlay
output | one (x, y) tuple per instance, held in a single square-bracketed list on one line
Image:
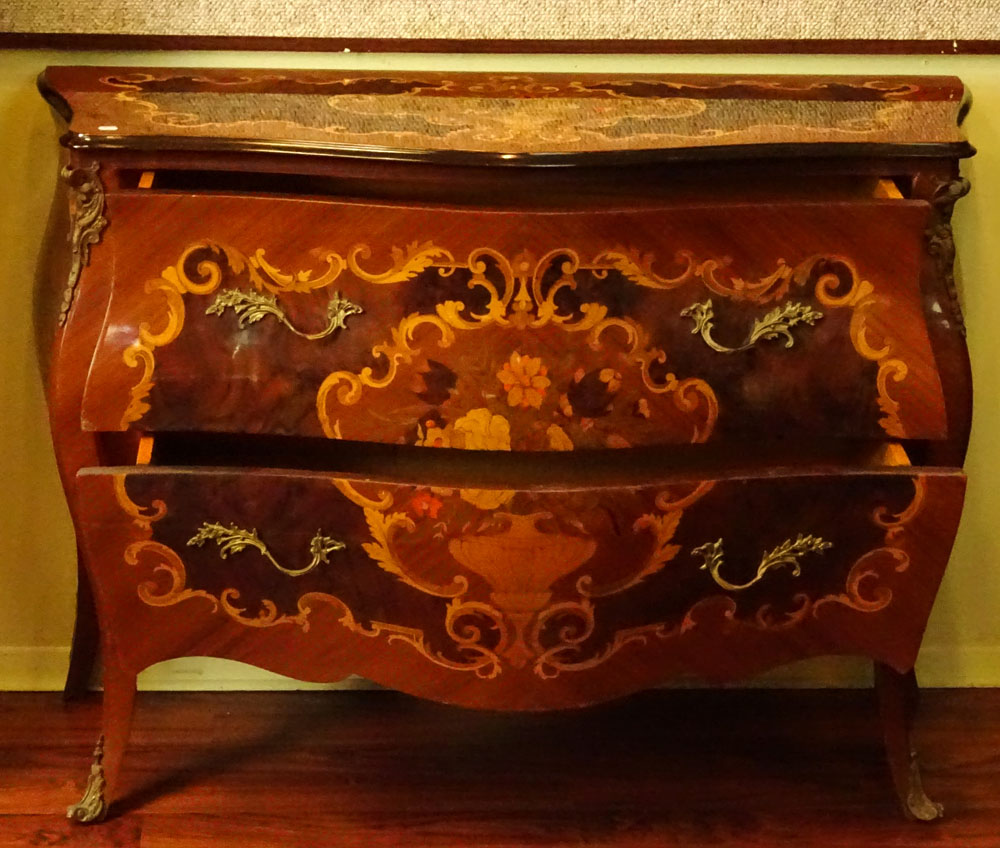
[(515, 617)]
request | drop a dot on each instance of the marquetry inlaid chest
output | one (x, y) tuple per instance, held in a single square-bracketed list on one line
[(512, 392)]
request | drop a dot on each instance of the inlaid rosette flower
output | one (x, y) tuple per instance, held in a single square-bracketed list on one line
[(524, 380)]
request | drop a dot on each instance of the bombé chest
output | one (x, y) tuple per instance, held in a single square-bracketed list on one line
[(512, 392)]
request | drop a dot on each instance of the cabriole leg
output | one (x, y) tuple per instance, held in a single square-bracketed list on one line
[(897, 698), (86, 636), (119, 700)]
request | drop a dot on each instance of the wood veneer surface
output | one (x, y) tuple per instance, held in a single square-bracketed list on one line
[(376, 769), (539, 115)]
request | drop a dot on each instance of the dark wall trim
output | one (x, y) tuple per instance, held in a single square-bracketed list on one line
[(113, 41)]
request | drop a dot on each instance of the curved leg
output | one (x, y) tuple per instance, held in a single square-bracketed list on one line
[(897, 699), (86, 638), (119, 699)]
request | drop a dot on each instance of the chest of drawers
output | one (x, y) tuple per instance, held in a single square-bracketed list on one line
[(509, 392)]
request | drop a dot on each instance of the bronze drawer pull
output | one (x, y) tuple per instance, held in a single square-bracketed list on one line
[(787, 553), (233, 539), (778, 322), (251, 307)]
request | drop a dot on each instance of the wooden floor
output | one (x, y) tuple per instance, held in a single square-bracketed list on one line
[(374, 769)]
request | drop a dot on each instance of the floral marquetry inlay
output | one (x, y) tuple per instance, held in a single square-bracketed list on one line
[(516, 326), (552, 347), (526, 581)]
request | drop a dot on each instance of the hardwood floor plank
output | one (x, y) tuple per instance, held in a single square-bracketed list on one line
[(19, 831), (693, 769)]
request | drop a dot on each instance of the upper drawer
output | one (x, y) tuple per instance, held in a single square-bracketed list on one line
[(519, 330)]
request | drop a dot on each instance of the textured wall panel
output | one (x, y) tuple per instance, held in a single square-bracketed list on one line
[(472, 19)]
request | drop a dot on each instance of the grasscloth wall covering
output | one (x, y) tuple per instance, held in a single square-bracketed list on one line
[(37, 570), (534, 19)]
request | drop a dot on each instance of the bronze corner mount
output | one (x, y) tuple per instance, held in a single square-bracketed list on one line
[(941, 241), (87, 215)]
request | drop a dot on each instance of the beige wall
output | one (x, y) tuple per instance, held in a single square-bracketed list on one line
[(962, 646)]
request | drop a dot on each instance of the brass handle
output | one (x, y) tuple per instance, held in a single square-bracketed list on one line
[(232, 540), (778, 322), (786, 554), (250, 307)]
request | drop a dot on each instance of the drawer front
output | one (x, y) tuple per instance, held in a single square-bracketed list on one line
[(523, 331), (516, 599)]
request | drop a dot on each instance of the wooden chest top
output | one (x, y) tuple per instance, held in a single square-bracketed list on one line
[(505, 118)]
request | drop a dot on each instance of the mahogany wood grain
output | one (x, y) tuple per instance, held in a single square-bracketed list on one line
[(693, 769)]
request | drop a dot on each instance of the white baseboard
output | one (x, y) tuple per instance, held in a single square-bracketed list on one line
[(43, 669), (207, 674)]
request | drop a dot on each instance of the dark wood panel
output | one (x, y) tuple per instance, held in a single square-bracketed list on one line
[(692, 769)]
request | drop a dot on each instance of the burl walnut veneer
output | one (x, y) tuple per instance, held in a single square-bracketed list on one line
[(511, 392)]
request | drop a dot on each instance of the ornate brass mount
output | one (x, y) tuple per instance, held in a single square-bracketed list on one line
[(232, 540), (778, 322), (786, 554), (250, 307), (941, 243), (87, 213), (92, 807), (918, 804)]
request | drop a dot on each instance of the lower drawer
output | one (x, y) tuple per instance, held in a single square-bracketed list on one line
[(532, 598)]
